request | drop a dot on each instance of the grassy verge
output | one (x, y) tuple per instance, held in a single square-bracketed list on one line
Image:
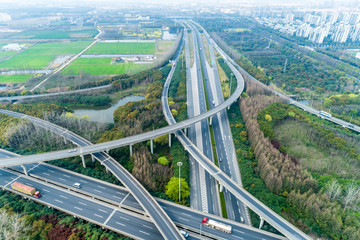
[(223, 205), (191, 47), (122, 48), (206, 48)]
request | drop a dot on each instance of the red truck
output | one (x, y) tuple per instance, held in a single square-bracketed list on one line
[(217, 225), (25, 189)]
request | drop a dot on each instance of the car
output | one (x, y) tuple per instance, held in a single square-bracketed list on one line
[(350, 125), (72, 150), (184, 233), (77, 185), (213, 102)]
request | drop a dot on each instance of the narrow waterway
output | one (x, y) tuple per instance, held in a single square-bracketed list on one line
[(105, 114)]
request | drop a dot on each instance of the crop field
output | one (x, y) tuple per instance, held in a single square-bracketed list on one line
[(41, 55), (122, 48), (164, 46), (55, 34), (103, 66), (15, 78)]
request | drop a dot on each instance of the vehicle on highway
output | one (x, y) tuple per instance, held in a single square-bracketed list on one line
[(72, 150), (77, 185), (217, 225), (213, 102), (184, 233), (325, 114), (350, 125), (25, 189)]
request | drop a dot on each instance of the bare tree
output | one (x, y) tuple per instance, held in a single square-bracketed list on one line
[(333, 189)]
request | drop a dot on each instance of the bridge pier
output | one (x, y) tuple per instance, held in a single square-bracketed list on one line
[(211, 120), (152, 146), (169, 139), (221, 187), (92, 158), (65, 140), (131, 150), (25, 170), (83, 161), (107, 151), (261, 223), (185, 130)]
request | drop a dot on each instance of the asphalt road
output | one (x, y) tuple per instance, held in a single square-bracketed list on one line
[(227, 159), (122, 221)]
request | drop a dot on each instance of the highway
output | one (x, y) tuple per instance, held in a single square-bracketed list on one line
[(268, 215), (225, 150), (161, 220), (17, 98), (129, 218), (204, 193)]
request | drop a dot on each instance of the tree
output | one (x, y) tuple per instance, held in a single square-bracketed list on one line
[(174, 112), (163, 140), (268, 118), (172, 189), (163, 160)]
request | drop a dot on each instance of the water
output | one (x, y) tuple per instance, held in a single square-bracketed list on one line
[(13, 72), (105, 115)]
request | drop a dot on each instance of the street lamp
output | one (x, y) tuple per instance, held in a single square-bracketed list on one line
[(179, 165)]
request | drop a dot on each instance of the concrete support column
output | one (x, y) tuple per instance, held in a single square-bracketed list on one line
[(169, 139), (261, 223), (152, 146), (185, 130), (92, 158), (131, 151), (107, 151), (65, 140), (25, 170), (83, 161), (221, 188), (229, 107), (211, 120), (107, 170)]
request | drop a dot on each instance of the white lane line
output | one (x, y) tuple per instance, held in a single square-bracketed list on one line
[(97, 191), (51, 171), (120, 193), (66, 176), (148, 226), (237, 237), (117, 197), (78, 208), (83, 181), (106, 221), (100, 187), (238, 231), (58, 201), (120, 224), (82, 203), (46, 174), (183, 219), (186, 214), (45, 190), (126, 219), (63, 196), (61, 179), (101, 210), (144, 232), (98, 215), (125, 198)]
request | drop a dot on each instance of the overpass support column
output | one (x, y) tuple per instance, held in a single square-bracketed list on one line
[(152, 146), (25, 170), (65, 140), (107, 151), (221, 187), (261, 223), (185, 130), (83, 161), (211, 120), (131, 152), (92, 158), (169, 139)]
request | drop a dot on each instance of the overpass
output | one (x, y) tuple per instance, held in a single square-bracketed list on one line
[(282, 225)]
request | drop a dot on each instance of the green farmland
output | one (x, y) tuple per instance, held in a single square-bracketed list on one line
[(55, 34), (41, 55), (122, 48), (103, 66), (15, 78)]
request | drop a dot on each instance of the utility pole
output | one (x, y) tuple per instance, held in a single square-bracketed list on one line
[(179, 165)]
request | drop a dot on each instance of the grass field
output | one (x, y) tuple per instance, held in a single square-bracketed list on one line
[(54, 34), (122, 48), (164, 46), (15, 78), (102, 66), (41, 55)]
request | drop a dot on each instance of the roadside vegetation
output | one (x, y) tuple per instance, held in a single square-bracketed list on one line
[(122, 48)]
